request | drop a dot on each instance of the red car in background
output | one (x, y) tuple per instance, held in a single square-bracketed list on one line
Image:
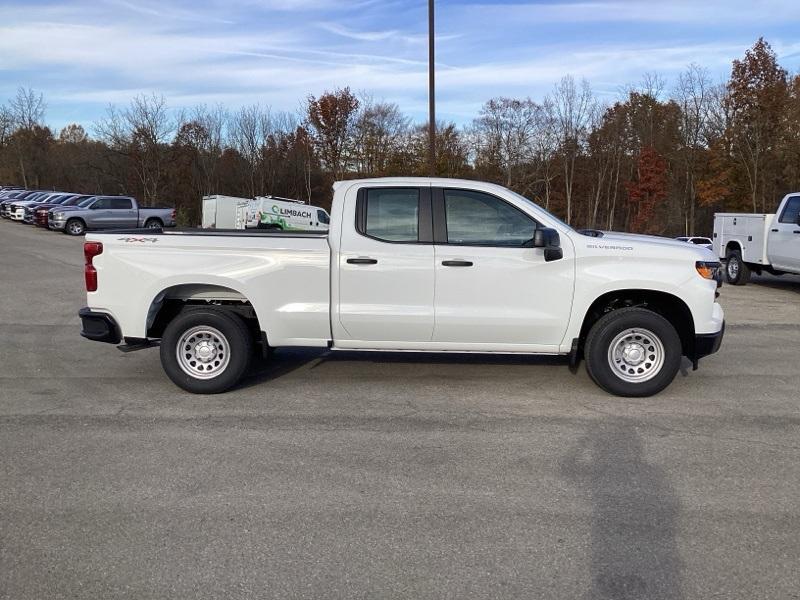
[(40, 214)]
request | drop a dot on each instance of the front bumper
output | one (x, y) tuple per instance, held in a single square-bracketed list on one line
[(707, 343), (99, 327), (55, 224)]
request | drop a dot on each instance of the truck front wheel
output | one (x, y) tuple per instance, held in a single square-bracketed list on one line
[(75, 227), (736, 270), (205, 351), (633, 352)]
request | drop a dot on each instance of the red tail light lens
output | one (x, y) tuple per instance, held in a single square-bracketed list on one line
[(90, 250), (173, 214)]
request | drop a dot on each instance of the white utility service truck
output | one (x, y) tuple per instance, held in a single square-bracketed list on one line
[(409, 264), (759, 242), (285, 214)]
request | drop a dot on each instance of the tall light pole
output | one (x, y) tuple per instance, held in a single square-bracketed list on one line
[(431, 95)]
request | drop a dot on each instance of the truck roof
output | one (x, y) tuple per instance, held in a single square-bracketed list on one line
[(438, 181)]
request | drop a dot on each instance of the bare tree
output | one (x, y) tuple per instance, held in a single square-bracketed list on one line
[(571, 105), (6, 125), (27, 108), (141, 132), (379, 129), (694, 96), (506, 134)]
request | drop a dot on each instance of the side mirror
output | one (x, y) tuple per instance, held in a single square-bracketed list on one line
[(548, 238)]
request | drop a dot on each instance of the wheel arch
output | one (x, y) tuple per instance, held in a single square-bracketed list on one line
[(170, 301), (733, 245), (668, 305)]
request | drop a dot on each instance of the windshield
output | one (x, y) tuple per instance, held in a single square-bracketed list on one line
[(86, 202), (549, 214)]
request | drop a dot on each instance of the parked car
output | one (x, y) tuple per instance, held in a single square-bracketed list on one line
[(759, 242), (109, 212), (699, 241), (52, 200), (40, 214), (409, 264), (5, 204), (16, 209)]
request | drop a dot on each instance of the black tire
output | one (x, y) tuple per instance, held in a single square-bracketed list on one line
[(236, 342), (619, 323), (74, 227), (736, 270), (153, 224)]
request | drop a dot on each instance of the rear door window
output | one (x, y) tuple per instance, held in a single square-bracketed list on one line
[(121, 203), (392, 214)]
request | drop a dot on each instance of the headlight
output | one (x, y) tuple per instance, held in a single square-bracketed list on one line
[(708, 269), (58, 215)]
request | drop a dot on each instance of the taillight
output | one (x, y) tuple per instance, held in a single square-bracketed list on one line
[(90, 250), (172, 214)]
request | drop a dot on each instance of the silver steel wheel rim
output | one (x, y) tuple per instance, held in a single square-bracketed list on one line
[(203, 352), (636, 355), (75, 227), (153, 225), (733, 267)]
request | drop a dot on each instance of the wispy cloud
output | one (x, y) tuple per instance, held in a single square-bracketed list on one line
[(87, 53)]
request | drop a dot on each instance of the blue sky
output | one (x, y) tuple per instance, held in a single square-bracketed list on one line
[(85, 54)]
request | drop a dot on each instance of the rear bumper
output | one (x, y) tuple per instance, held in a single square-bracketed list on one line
[(99, 327), (707, 343)]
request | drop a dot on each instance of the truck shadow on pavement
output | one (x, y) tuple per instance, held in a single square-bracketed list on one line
[(790, 283), (287, 360), (634, 512)]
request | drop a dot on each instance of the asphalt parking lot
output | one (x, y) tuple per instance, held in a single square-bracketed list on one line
[(372, 476)]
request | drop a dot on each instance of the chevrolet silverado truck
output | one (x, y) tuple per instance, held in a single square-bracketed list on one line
[(109, 212), (409, 264), (759, 242)]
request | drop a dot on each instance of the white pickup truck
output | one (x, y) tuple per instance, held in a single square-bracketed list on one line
[(409, 264), (759, 242)]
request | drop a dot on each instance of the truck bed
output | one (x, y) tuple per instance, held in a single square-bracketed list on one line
[(196, 231), (285, 276), (747, 230)]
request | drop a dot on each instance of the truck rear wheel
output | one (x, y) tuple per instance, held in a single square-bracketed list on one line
[(153, 224), (736, 270), (633, 352), (205, 351)]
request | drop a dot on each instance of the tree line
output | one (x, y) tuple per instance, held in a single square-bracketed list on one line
[(657, 160)]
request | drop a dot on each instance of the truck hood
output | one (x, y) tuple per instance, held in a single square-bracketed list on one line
[(624, 242)]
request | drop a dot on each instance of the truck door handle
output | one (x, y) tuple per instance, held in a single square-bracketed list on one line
[(362, 261), (456, 263), (796, 231), (774, 231)]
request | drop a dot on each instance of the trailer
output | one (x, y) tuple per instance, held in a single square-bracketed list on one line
[(223, 212)]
